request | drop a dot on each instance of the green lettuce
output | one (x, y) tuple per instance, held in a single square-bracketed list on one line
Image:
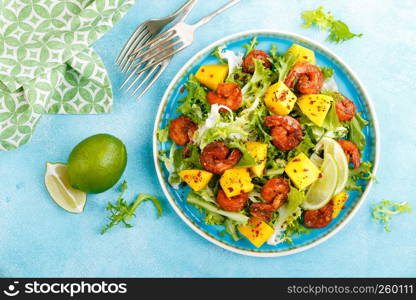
[(328, 72), (287, 214), (364, 172), (282, 63), (386, 209), (195, 104), (355, 134), (258, 84), (195, 199), (250, 47)]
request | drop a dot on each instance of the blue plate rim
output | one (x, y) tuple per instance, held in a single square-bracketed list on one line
[(208, 49)]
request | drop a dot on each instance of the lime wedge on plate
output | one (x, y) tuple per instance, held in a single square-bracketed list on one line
[(322, 190), (57, 184), (333, 148)]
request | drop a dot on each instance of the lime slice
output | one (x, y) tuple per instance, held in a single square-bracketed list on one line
[(332, 147), (321, 190), (57, 184)]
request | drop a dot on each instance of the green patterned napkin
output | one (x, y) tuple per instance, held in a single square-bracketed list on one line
[(47, 64)]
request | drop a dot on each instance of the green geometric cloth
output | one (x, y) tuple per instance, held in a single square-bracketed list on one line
[(47, 64)]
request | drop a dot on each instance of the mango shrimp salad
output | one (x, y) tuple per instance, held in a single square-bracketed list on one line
[(267, 144)]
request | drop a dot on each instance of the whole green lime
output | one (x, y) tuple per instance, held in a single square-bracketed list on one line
[(97, 163)]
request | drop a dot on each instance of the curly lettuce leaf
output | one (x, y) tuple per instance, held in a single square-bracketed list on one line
[(176, 161), (306, 146), (231, 229), (195, 104), (294, 228), (250, 47), (338, 30), (386, 209), (323, 20), (282, 63), (163, 134), (246, 159), (239, 77), (122, 212), (257, 85), (195, 199), (355, 132), (287, 214), (364, 172), (328, 72), (217, 54), (274, 167)]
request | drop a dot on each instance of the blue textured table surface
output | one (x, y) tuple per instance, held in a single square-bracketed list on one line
[(37, 238)]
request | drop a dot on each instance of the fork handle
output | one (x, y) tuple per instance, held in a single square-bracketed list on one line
[(187, 6), (208, 18)]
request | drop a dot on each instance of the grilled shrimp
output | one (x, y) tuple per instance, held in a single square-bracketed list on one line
[(248, 62), (352, 152), (319, 218), (262, 211), (181, 130), (346, 109), (235, 203), (286, 131), (305, 78), (274, 192), (228, 94), (216, 157)]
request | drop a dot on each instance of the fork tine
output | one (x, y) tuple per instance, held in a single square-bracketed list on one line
[(153, 48), (154, 55), (126, 61), (129, 42), (142, 38), (128, 78), (152, 41), (162, 68), (134, 81), (149, 74), (161, 59)]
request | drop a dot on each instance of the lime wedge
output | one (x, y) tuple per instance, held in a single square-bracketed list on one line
[(57, 184), (332, 147), (322, 190)]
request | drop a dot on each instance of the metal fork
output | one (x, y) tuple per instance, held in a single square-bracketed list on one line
[(146, 32), (153, 73), (168, 43)]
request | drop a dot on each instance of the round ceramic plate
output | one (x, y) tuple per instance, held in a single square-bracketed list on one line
[(348, 84)]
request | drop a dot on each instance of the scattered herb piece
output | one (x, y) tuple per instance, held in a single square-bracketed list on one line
[(338, 30), (121, 212), (386, 209)]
